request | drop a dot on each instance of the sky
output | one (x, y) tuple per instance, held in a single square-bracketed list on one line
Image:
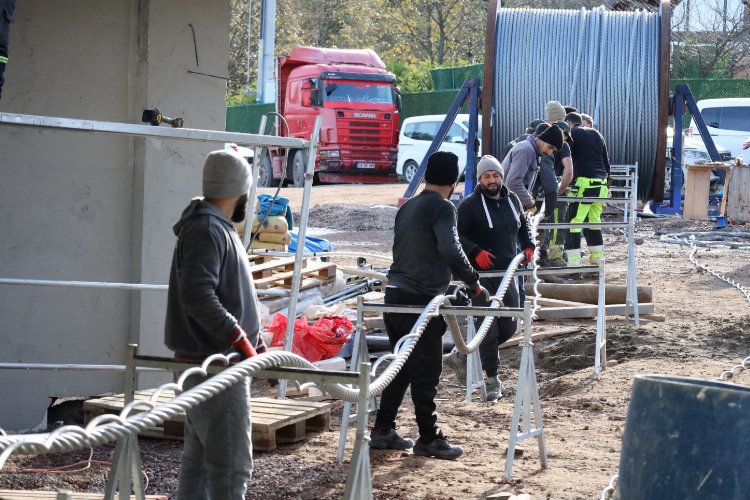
[(705, 14)]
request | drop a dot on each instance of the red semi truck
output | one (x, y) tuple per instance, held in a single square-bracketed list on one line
[(358, 103)]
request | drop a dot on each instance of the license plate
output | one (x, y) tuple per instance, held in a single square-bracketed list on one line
[(365, 165)]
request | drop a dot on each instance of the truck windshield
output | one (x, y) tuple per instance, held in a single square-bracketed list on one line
[(357, 92)]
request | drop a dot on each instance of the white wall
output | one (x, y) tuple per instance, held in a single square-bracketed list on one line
[(95, 207)]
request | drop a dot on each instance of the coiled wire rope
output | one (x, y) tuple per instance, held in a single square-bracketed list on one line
[(605, 63)]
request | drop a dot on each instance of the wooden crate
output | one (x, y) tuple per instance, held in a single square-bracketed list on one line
[(738, 204), (52, 495), (273, 421)]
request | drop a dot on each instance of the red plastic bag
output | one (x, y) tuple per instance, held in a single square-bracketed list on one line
[(321, 340)]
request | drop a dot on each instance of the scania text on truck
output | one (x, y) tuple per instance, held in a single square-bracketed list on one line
[(358, 103)]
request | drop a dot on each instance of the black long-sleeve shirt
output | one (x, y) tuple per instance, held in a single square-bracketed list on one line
[(426, 249), (589, 153), (510, 226)]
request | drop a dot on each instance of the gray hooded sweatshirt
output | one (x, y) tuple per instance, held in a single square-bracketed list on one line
[(521, 166), (211, 288)]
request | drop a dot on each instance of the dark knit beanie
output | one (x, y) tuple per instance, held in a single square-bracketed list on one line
[(552, 136), (442, 169)]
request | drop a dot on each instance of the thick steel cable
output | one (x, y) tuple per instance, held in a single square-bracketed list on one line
[(734, 240), (596, 60), (738, 286)]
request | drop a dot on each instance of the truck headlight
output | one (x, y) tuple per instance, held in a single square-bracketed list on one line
[(330, 153)]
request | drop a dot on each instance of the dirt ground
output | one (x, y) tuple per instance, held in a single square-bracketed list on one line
[(700, 329)]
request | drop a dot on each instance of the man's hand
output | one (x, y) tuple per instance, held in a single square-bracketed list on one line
[(485, 260), (529, 253), (240, 342), (478, 290)]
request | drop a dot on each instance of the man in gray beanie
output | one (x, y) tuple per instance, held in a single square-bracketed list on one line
[(212, 308), (492, 224)]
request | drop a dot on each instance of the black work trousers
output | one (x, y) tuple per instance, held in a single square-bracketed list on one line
[(422, 370), (502, 328)]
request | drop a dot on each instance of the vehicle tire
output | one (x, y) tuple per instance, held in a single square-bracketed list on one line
[(297, 173), (410, 170), (265, 173)]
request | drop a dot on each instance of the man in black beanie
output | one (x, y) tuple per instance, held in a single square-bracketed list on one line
[(426, 252)]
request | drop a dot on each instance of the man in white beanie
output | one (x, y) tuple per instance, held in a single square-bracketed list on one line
[(491, 225), (212, 308)]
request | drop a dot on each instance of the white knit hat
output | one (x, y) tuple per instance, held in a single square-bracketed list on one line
[(226, 174), (487, 163), (554, 111)]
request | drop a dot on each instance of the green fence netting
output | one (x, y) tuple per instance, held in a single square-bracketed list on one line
[(453, 78)]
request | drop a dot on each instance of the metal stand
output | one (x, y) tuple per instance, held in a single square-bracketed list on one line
[(359, 479), (474, 376), (527, 395), (600, 357), (126, 470)]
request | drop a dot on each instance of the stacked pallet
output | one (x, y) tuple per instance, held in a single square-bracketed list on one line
[(278, 273)]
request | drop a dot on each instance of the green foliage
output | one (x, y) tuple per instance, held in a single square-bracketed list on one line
[(411, 77), (237, 98)]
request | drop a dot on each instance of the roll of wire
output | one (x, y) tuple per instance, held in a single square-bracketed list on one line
[(605, 63)]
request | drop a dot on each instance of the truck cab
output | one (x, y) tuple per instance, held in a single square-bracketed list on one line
[(358, 103)]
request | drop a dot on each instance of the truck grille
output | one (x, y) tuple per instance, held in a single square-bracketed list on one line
[(365, 132)]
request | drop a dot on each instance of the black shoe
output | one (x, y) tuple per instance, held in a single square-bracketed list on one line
[(438, 448), (389, 440)]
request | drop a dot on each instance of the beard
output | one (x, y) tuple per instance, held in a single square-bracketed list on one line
[(240, 209), (490, 191)]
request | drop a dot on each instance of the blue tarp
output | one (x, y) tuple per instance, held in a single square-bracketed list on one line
[(312, 244)]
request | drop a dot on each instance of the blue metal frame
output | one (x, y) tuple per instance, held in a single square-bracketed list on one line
[(470, 90), (683, 96)]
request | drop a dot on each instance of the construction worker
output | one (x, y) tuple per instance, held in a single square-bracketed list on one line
[(7, 7), (212, 308), (587, 121), (591, 160), (521, 164), (426, 251), (491, 225)]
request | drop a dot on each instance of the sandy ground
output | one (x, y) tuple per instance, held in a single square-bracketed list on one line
[(704, 331)]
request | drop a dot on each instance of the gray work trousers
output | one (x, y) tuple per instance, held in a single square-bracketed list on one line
[(217, 458)]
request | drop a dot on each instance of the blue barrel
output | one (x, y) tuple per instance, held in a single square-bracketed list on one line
[(686, 438)]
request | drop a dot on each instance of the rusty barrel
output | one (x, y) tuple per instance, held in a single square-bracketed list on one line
[(686, 438)]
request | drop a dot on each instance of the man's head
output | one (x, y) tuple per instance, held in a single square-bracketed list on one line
[(442, 169), (226, 176), (541, 128), (566, 130), (570, 109), (573, 119), (533, 125), (554, 111), (550, 141), (490, 175), (587, 121)]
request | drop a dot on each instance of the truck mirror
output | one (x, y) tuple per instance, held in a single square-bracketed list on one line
[(307, 84), (398, 102), (306, 98), (315, 97)]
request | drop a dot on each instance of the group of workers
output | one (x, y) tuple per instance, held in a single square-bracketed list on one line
[(212, 306)]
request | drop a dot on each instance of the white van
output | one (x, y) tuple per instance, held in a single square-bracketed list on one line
[(417, 134), (728, 122)]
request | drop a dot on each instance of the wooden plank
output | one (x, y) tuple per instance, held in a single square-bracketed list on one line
[(320, 270), (589, 311), (588, 293), (516, 340), (45, 495)]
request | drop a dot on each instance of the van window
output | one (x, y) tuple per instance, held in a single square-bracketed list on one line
[(456, 134), (728, 118), (422, 131)]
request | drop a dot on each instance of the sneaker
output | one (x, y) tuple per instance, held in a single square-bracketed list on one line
[(389, 440), (494, 389), (457, 364), (438, 448)]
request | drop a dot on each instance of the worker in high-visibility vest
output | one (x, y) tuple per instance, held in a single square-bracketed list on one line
[(591, 160)]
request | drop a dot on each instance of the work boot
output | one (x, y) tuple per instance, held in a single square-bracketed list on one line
[(596, 254), (494, 388), (574, 257), (555, 252), (438, 448), (389, 440), (456, 362)]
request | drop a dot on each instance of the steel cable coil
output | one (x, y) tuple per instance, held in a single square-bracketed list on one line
[(605, 63)]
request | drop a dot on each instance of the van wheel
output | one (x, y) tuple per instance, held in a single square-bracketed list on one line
[(298, 169), (410, 170), (265, 174)]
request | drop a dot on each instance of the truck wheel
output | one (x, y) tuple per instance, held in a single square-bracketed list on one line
[(265, 174), (298, 169), (410, 170)]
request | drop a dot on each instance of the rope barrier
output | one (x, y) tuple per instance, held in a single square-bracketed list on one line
[(610, 489)]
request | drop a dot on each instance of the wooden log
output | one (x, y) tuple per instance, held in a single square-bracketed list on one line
[(588, 293)]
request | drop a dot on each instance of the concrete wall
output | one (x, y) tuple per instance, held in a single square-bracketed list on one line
[(95, 207)]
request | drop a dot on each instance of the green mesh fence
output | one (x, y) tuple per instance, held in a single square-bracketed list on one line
[(453, 78), (246, 117), (715, 88)]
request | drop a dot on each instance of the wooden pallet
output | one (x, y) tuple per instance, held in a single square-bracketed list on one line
[(52, 495), (281, 275), (273, 421)]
